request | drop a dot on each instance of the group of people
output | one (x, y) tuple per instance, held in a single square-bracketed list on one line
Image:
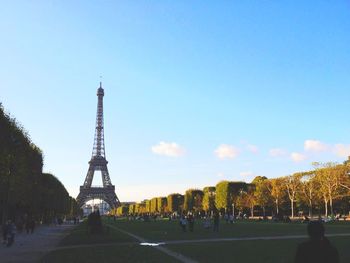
[(207, 223), (187, 220), (8, 233), (9, 230)]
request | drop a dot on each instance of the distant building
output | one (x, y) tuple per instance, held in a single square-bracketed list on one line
[(101, 206)]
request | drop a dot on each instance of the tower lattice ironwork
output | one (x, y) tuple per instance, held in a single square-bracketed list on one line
[(98, 162)]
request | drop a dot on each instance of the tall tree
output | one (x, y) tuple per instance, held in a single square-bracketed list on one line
[(227, 193), (208, 198), (308, 189), (193, 200), (247, 199), (175, 202), (261, 193), (277, 191), (161, 204), (328, 176), (292, 184)]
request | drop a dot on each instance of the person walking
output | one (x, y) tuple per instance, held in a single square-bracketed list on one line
[(190, 222), (231, 219), (4, 232), (32, 226), (27, 225), (11, 234), (317, 249), (216, 221), (183, 223)]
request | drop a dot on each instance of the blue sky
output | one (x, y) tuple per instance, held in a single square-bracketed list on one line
[(195, 91)]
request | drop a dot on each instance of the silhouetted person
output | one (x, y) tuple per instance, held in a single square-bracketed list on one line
[(216, 221), (27, 225), (11, 232), (232, 218), (183, 223), (226, 217), (5, 230), (32, 226), (190, 222), (317, 249)]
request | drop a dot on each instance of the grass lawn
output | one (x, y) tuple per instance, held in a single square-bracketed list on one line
[(102, 254), (267, 251), (119, 249), (170, 230), (80, 236), (122, 249)]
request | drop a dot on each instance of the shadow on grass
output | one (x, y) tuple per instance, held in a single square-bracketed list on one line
[(80, 236)]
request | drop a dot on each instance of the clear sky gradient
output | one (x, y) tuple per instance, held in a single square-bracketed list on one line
[(195, 91)]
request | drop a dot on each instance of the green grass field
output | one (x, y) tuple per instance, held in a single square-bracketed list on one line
[(114, 246)]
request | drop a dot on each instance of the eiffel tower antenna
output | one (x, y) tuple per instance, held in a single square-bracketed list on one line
[(98, 162)]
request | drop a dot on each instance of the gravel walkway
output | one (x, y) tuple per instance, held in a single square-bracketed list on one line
[(32, 247)]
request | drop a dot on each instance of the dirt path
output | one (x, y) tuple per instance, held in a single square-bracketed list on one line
[(31, 247)]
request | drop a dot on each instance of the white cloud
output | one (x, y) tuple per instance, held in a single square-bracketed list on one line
[(220, 175), (245, 174), (297, 157), (226, 151), (171, 149), (276, 152), (342, 150), (315, 146), (252, 148)]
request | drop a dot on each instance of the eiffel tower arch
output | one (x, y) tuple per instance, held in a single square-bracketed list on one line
[(98, 162)]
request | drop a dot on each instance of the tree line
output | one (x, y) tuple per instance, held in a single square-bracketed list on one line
[(24, 189), (325, 190)]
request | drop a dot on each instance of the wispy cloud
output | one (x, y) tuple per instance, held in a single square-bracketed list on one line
[(225, 151), (297, 157), (170, 149), (277, 152), (252, 148), (246, 174), (342, 150), (220, 175), (315, 146)]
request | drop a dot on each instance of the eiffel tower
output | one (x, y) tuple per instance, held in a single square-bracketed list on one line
[(98, 162)]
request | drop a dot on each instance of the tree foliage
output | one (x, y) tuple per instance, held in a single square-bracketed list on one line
[(24, 189), (175, 202), (193, 200), (227, 193), (208, 201)]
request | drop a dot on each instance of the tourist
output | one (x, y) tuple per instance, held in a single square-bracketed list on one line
[(32, 226), (11, 232), (5, 229), (206, 222), (190, 222), (216, 221), (317, 248), (226, 217), (183, 223), (27, 225), (231, 219)]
